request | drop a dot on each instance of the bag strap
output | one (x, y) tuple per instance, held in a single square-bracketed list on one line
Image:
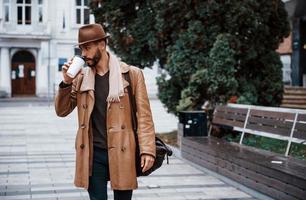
[(132, 104)]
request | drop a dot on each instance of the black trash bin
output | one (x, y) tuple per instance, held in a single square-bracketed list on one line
[(194, 123)]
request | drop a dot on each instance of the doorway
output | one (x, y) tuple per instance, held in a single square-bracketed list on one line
[(23, 74), (303, 51)]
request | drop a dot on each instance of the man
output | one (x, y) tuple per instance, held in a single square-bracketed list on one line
[(105, 143)]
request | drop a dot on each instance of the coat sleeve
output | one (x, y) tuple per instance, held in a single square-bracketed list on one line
[(65, 100), (146, 132)]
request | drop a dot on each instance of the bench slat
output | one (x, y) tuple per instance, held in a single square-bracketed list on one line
[(231, 123), (269, 129), (302, 117), (271, 122), (273, 114), (300, 126), (300, 131), (231, 110), (300, 135), (230, 116)]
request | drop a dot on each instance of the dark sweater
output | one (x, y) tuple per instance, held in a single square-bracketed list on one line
[(98, 115)]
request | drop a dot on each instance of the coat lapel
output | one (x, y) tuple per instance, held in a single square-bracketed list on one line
[(88, 82), (124, 69)]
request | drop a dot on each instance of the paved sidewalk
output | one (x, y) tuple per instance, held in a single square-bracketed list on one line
[(37, 162)]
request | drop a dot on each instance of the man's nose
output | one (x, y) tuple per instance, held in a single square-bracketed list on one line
[(83, 54)]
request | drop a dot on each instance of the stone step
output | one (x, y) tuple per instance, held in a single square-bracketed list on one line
[(294, 101), (293, 97), (297, 106), (295, 91), (294, 88)]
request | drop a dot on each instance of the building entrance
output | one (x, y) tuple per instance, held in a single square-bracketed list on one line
[(23, 74)]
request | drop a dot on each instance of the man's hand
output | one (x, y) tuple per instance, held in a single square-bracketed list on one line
[(147, 162), (67, 79)]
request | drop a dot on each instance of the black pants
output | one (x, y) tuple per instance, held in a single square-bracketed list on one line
[(97, 189)]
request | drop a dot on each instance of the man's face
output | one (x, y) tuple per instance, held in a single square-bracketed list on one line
[(91, 53)]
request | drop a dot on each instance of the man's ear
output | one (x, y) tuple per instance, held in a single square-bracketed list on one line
[(102, 45)]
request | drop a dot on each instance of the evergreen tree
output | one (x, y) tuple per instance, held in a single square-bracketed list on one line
[(209, 49), (217, 78)]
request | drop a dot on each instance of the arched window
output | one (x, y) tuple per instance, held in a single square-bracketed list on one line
[(23, 56)]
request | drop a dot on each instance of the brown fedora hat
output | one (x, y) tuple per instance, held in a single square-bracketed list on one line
[(91, 33)]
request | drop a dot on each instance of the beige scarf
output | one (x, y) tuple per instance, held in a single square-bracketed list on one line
[(115, 80)]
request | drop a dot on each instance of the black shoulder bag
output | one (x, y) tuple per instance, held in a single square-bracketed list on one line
[(162, 149)]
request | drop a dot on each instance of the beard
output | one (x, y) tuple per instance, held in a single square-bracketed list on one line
[(94, 61)]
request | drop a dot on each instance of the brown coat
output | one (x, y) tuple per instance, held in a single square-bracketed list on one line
[(120, 138)]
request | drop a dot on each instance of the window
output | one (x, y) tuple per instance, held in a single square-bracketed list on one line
[(6, 10), (82, 12), (19, 15), (40, 11), (24, 12), (6, 14), (64, 22), (61, 62)]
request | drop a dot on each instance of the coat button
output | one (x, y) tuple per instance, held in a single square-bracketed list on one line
[(85, 106), (82, 146), (123, 126), (83, 126), (121, 106)]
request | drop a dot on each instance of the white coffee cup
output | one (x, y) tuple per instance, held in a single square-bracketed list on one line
[(76, 66)]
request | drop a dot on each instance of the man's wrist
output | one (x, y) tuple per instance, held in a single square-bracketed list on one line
[(63, 84), (147, 154)]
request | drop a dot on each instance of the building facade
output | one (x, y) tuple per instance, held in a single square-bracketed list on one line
[(36, 38)]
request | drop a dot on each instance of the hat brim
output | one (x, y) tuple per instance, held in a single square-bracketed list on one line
[(107, 36)]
